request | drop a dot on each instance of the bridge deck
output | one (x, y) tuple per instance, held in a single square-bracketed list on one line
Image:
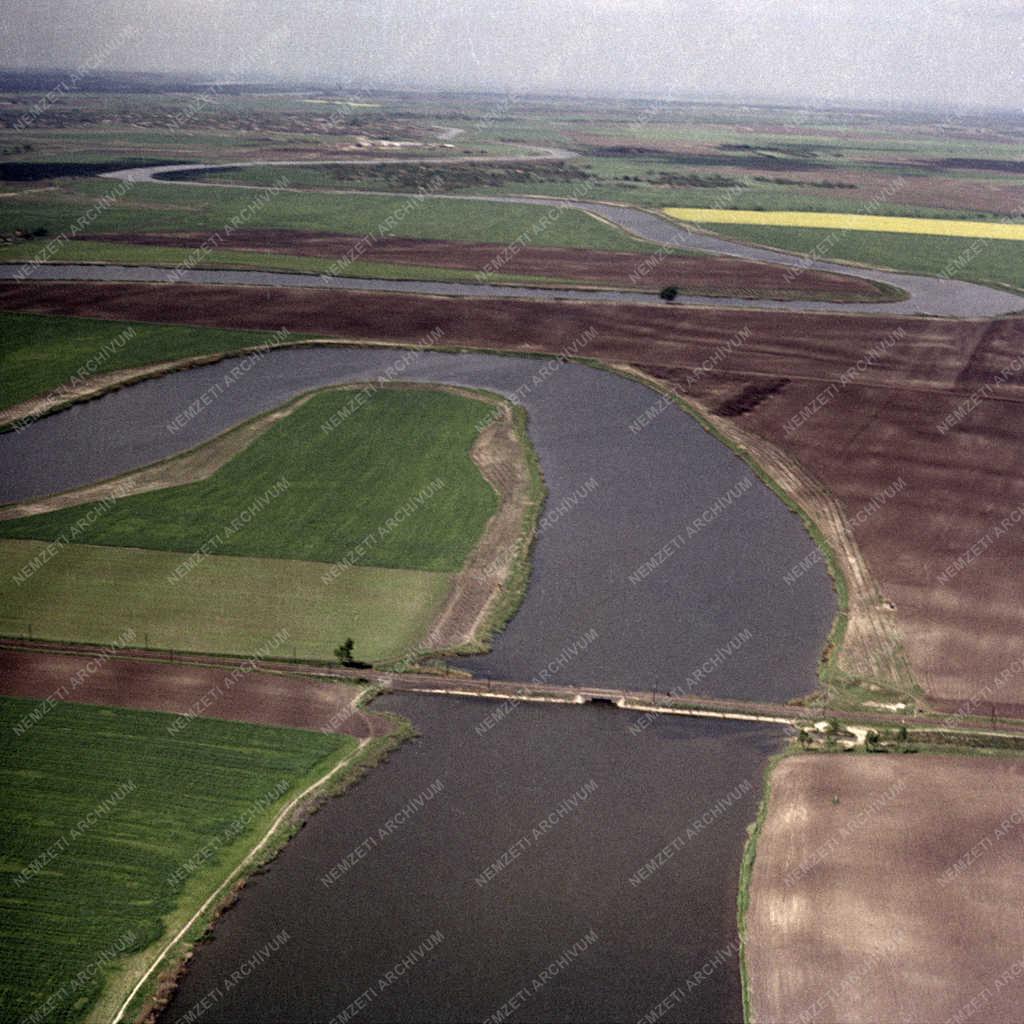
[(640, 701)]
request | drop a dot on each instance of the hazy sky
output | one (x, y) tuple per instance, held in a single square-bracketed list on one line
[(951, 52)]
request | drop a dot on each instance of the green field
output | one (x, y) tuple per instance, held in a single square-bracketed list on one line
[(342, 489), (113, 828), (657, 180), (39, 353), (982, 260), (182, 207), (222, 606)]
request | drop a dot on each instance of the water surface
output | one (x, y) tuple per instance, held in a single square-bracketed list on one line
[(687, 785), (646, 552)]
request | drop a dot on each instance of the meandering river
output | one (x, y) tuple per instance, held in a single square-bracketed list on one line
[(523, 862), (544, 863), (661, 561)]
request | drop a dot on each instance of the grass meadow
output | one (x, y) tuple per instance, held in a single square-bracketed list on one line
[(40, 353), (115, 830), (392, 486)]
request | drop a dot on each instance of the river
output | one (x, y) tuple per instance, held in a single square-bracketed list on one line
[(660, 551), (534, 843), (496, 866)]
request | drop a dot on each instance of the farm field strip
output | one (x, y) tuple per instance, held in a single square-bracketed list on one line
[(263, 692), (852, 222), (224, 605), (102, 800)]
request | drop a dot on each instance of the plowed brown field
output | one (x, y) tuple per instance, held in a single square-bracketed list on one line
[(718, 275), (887, 888), (186, 689)]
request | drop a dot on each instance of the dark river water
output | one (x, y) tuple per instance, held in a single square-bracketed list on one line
[(660, 565), (662, 559), (354, 894)]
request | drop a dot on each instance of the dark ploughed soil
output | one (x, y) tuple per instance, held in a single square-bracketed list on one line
[(255, 696), (648, 271)]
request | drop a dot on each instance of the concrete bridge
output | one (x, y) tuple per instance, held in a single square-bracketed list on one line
[(641, 702)]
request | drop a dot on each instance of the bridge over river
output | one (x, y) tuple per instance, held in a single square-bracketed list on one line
[(508, 693)]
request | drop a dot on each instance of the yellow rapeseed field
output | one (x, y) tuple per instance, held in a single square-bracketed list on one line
[(852, 222)]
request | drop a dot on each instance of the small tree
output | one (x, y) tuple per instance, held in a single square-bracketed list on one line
[(343, 652)]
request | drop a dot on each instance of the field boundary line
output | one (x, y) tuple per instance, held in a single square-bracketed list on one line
[(243, 863)]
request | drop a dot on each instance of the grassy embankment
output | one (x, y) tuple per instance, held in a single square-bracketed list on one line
[(342, 489), (116, 831), (746, 873)]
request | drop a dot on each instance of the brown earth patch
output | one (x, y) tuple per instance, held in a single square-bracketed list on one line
[(878, 428), (498, 454), (716, 275), (185, 688), (858, 911)]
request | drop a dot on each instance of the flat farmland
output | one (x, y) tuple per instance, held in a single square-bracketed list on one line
[(811, 345), (225, 605), (887, 888), (181, 688), (183, 207), (881, 425), (113, 826), (697, 274)]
